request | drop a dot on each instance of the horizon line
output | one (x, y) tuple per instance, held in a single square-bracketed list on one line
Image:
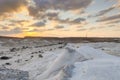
[(51, 37)]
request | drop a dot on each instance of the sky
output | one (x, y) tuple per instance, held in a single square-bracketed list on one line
[(60, 18)]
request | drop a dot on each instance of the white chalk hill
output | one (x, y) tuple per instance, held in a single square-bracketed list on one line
[(84, 63)]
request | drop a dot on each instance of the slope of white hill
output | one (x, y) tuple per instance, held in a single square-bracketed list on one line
[(106, 69), (99, 66), (88, 64)]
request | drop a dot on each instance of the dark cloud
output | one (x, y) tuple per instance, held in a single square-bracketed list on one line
[(102, 12), (12, 31), (5, 27), (71, 4), (110, 18), (105, 11), (59, 27), (84, 29), (12, 24), (36, 14), (44, 5), (38, 24), (79, 26), (50, 29), (8, 6), (68, 21), (19, 22), (52, 15), (62, 4), (113, 22), (78, 20), (33, 11), (62, 20)]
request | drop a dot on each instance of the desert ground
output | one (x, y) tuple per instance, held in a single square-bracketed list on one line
[(44, 59)]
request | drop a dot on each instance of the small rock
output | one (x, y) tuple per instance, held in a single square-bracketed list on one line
[(7, 63), (4, 58), (40, 55)]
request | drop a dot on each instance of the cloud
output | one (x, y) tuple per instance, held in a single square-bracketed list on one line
[(59, 27), (113, 22), (66, 30), (85, 29), (102, 12), (92, 28), (62, 4), (41, 30), (110, 18), (12, 24), (34, 30), (78, 20), (9, 6), (38, 24), (117, 5), (52, 15), (65, 5), (4, 27), (33, 11), (81, 29), (15, 30), (1, 25), (18, 22), (107, 10), (68, 21), (50, 29), (71, 4)]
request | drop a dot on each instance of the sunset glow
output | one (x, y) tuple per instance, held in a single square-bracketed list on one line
[(60, 18)]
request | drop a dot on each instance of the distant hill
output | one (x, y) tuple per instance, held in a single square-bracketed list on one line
[(9, 37), (70, 39)]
